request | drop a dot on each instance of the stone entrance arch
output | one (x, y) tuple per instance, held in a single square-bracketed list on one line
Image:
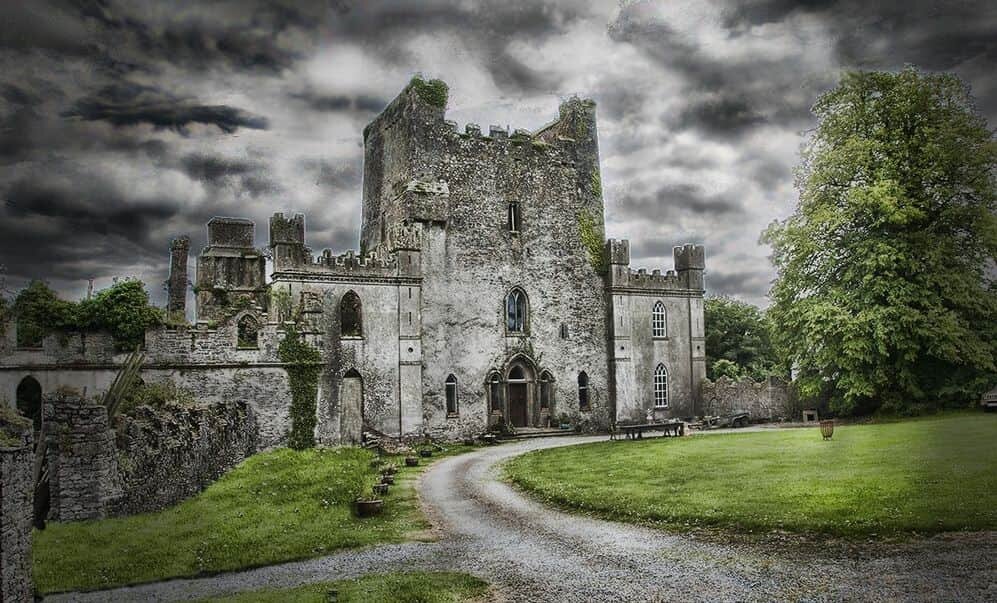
[(520, 394), (29, 400), (351, 408)]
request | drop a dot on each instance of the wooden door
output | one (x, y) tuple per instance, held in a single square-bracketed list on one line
[(517, 404)]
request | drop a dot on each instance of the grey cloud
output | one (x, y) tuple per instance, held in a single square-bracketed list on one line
[(671, 199), (722, 115), (341, 102)]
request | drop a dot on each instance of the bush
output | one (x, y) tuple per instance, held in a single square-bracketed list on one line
[(156, 395)]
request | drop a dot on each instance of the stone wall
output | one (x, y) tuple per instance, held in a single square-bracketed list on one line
[(170, 454), (767, 399), (82, 460), (153, 459), (16, 487)]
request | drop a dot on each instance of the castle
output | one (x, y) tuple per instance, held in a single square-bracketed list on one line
[(484, 290)]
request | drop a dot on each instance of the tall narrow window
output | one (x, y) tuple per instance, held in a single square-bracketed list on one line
[(658, 324), (451, 387), (661, 387), (515, 311), (546, 390), (248, 330), (564, 330), (514, 217), (495, 393), (351, 315), (583, 391)]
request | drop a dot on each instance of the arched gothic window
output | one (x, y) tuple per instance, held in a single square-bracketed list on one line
[(515, 311), (351, 315), (513, 219), (451, 387), (546, 390), (249, 330), (495, 392), (583, 391), (658, 324), (661, 387)]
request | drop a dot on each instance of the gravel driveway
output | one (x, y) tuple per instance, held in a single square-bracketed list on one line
[(533, 553)]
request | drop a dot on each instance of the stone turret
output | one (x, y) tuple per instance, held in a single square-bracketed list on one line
[(690, 261), (176, 304), (287, 241), (231, 272)]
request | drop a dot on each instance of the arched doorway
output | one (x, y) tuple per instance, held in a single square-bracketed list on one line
[(351, 408), (520, 382), (29, 400)]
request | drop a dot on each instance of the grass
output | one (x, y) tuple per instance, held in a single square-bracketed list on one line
[(929, 475), (423, 587), (274, 507)]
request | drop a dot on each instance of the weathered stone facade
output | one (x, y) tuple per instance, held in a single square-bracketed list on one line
[(149, 461), (483, 290), (769, 399), (16, 490)]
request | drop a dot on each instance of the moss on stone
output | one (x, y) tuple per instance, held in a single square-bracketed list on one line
[(592, 240), (12, 425), (431, 92)]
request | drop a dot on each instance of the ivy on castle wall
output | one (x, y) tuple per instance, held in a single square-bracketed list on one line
[(303, 365), (591, 236), (432, 92)]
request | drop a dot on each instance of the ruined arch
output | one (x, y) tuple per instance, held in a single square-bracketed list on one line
[(248, 332), (351, 315), (29, 400), (351, 407)]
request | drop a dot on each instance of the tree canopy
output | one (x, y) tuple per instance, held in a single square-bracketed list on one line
[(123, 310), (738, 340), (882, 299)]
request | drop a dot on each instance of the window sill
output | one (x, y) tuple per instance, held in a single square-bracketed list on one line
[(453, 415), (255, 348), (659, 337), (665, 407), (517, 334), (352, 337)]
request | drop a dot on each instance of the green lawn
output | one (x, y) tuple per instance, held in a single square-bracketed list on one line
[(421, 587), (274, 507), (926, 475)]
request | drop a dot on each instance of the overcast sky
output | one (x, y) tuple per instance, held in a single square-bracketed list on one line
[(124, 123)]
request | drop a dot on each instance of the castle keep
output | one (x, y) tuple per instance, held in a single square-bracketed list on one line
[(484, 290)]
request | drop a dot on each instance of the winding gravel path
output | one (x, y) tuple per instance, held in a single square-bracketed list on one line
[(533, 553)]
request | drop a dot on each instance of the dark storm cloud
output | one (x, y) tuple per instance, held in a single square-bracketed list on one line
[(672, 199), (128, 104), (17, 95), (52, 229), (213, 170), (341, 102), (721, 116)]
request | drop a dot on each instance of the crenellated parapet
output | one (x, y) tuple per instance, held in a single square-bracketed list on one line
[(688, 274)]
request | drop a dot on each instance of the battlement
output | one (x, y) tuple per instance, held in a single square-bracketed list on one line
[(287, 230), (237, 233), (689, 257), (688, 274)]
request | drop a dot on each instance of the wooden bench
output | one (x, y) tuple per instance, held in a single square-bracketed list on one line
[(636, 431)]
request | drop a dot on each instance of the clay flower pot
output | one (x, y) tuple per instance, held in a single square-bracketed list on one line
[(425, 453), (368, 508), (380, 489), (389, 470), (411, 461), (387, 479), (469, 441)]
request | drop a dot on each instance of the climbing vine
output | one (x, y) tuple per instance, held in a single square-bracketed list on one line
[(592, 240), (303, 365)]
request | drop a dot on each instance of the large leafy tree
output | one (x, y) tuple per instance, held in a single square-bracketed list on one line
[(882, 299), (738, 341)]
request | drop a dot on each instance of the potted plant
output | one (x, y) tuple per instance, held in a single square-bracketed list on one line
[(469, 441), (389, 469), (563, 421), (368, 506), (388, 479), (380, 489), (425, 452), (411, 461)]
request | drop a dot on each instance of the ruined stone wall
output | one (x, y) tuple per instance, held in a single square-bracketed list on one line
[(152, 460), (16, 490), (168, 455), (82, 464), (767, 399)]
